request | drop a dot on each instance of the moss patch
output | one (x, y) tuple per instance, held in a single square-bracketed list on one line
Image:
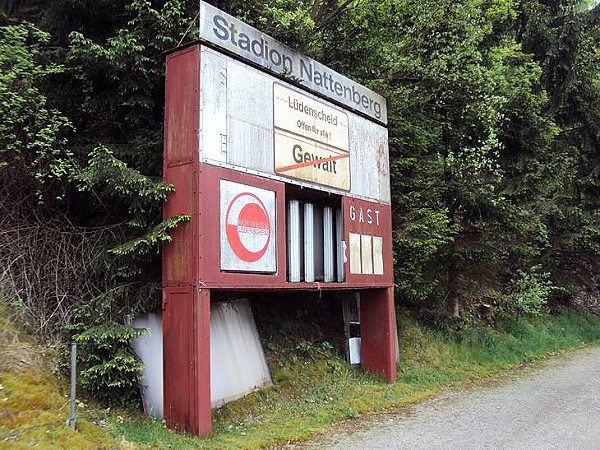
[(33, 409)]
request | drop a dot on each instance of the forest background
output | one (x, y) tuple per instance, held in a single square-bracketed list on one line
[(494, 132)]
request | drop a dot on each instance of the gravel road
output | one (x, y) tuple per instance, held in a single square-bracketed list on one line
[(556, 406)]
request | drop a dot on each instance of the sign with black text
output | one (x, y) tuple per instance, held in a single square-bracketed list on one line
[(310, 139), (247, 42)]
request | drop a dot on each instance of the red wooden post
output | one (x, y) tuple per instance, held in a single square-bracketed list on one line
[(186, 306), (377, 329), (201, 424), (186, 340)]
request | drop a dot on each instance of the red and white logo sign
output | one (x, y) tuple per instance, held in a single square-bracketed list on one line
[(248, 234), (248, 227)]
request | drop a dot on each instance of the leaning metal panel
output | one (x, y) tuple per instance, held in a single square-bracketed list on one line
[(237, 360)]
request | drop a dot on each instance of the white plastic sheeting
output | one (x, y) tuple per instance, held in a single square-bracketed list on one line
[(149, 349), (237, 360)]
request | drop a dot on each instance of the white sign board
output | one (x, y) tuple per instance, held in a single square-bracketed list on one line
[(247, 42), (311, 139), (248, 228), (245, 115)]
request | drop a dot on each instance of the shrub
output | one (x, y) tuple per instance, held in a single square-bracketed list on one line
[(527, 294)]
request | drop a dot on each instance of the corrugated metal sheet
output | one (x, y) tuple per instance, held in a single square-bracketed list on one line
[(237, 360)]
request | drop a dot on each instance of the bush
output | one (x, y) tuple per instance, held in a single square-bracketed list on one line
[(527, 294), (110, 369)]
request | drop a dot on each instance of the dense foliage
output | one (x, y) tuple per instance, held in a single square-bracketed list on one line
[(494, 109)]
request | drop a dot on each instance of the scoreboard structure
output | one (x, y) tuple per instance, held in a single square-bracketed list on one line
[(282, 165)]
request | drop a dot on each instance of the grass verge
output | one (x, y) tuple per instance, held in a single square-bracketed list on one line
[(33, 407), (313, 388)]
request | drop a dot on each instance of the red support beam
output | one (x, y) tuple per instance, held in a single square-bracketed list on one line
[(377, 330), (186, 307), (186, 338)]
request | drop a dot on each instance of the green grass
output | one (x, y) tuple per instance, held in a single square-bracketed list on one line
[(34, 407), (313, 387), (312, 393)]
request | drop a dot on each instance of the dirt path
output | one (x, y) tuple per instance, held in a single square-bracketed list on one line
[(556, 406)]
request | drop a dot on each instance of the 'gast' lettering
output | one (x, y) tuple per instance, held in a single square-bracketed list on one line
[(363, 215)]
